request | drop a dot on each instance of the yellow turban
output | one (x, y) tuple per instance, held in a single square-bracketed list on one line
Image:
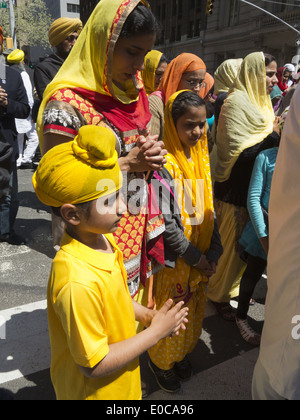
[(79, 171), (62, 28), (16, 57)]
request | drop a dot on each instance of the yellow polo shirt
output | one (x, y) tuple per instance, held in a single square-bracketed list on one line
[(89, 308)]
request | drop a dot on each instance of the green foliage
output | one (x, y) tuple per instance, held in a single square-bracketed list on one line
[(32, 20)]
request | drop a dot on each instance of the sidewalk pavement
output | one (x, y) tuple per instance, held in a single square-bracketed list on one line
[(222, 362)]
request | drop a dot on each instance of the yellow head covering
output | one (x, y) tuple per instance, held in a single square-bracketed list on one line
[(79, 171), (226, 74), (16, 57), (89, 65), (151, 62), (62, 28), (199, 171), (246, 117)]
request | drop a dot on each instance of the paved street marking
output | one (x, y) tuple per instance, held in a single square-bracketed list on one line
[(10, 251), (24, 341), (2, 328)]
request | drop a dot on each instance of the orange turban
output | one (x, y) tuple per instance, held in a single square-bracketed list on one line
[(184, 63), (62, 28)]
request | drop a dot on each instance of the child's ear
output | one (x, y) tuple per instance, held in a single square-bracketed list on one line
[(70, 214)]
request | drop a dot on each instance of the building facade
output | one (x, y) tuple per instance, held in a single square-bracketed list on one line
[(233, 30), (86, 8), (57, 9), (64, 8)]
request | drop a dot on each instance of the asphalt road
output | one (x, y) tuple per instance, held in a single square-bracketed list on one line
[(222, 362)]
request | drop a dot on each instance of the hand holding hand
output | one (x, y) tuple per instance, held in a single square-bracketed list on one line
[(277, 125), (205, 267)]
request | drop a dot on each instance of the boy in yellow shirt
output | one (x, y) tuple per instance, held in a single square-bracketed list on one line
[(91, 315)]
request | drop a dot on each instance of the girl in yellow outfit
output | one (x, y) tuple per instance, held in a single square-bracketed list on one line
[(192, 243)]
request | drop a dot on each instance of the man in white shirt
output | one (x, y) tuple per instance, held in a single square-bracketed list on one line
[(277, 372), (24, 126)]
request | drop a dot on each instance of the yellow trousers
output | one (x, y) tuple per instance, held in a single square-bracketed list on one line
[(225, 284)]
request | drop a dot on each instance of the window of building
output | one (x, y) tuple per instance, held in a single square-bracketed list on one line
[(197, 28), (279, 8), (174, 8), (73, 8), (163, 11), (173, 34), (158, 11), (199, 5), (191, 29), (234, 12), (178, 34), (192, 5), (180, 9), (288, 5)]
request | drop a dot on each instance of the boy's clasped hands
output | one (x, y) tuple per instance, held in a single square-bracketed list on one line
[(165, 322)]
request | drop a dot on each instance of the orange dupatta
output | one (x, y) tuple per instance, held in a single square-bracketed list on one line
[(184, 63)]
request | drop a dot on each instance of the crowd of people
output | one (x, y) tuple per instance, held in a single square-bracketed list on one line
[(158, 176)]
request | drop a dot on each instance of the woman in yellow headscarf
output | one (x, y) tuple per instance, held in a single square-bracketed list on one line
[(100, 84), (246, 126), (155, 66), (192, 244), (226, 74), (224, 77)]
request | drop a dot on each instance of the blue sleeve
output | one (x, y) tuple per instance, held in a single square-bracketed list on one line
[(256, 189)]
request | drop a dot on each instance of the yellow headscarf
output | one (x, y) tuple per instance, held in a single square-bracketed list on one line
[(62, 28), (246, 117), (151, 62), (16, 57), (200, 171), (89, 65), (226, 74), (79, 171)]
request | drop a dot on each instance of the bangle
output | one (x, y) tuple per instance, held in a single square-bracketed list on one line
[(194, 265)]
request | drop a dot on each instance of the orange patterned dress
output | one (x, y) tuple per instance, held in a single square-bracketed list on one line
[(68, 110)]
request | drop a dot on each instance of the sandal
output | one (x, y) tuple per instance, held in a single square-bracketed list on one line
[(247, 333), (225, 310)]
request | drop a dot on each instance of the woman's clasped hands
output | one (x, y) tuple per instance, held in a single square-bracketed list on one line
[(148, 155)]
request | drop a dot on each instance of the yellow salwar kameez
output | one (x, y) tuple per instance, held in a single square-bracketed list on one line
[(185, 283)]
